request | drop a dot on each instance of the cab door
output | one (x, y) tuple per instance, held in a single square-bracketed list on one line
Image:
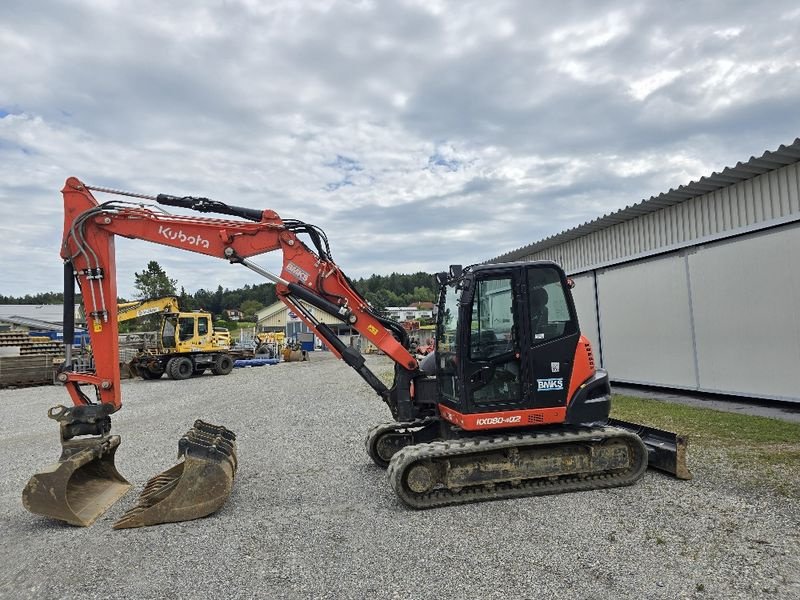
[(550, 333), (491, 365)]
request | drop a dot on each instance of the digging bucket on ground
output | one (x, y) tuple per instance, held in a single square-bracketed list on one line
[(81, 486), (196, 487)]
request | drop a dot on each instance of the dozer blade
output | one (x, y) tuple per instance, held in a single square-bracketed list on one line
[(195, 487), (81, 486), (666, 450)]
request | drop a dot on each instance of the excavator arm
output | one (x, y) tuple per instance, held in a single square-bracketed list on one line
[(134, 310), (85, 482), (313, 277)]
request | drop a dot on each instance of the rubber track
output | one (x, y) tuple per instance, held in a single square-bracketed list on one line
[(406, 457)]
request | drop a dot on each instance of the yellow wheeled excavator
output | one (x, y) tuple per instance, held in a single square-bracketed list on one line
[(187, 344)]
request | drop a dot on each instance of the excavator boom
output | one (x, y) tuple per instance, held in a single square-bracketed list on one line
[(82, 485)]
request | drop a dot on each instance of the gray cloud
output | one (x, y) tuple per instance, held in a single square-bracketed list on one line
[(417, 133)]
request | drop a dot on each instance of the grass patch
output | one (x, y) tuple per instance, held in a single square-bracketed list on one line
[(766, 451)]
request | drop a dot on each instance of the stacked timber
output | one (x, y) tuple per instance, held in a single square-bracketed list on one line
[(26, 370), (27, 362)]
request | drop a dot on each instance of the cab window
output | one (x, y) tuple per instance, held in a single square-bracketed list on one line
[(186, 328), (202, 326), (550, 316), (492, 327)]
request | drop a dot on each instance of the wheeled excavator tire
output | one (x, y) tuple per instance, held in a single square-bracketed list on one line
[(514, 466), (222, 365), (180, 367), (147, 373)]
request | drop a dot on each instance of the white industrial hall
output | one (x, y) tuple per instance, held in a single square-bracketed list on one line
[(697, 288)]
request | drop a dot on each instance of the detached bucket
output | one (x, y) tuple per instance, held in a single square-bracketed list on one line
[(81, 486), (194, 488)]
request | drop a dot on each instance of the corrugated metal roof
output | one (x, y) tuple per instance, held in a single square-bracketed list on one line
[(769, 161), (52, 313), (32, 323)]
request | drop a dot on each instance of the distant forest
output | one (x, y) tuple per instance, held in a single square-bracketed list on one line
[(380, 290)]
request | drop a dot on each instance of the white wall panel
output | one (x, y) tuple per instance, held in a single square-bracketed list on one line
[(645, 322), (746, 304)]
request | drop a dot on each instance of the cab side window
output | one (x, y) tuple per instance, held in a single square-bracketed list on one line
[(186, 328), (550, 317), (202, 326)]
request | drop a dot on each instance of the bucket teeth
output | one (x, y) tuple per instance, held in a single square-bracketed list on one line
[(195, 487)]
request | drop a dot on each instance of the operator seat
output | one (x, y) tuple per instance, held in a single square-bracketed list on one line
[(539, 318)]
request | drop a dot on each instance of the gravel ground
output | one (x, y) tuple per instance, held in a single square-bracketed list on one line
[(311, 517)]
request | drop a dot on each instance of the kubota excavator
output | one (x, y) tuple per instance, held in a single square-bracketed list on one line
[(510, 404)]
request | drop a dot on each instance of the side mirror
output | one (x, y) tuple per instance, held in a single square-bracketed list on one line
[(455, 271)]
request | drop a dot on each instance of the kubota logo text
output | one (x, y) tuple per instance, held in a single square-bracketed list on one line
[(193, 240)]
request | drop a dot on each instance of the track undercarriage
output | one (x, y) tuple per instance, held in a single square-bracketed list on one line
[(427, 474)]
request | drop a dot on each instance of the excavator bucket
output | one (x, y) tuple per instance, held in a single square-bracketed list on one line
[(195, 487), (666, 451), (81, 486)]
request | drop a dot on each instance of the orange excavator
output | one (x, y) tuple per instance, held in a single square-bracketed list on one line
[(510, 404)]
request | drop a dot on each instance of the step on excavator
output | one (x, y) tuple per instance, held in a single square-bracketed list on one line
[(510, 404)]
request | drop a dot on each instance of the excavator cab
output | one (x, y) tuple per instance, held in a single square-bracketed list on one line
[(519, 358), (517, 337), (191, 332)]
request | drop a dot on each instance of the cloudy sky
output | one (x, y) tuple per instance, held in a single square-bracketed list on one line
[(417, 133)]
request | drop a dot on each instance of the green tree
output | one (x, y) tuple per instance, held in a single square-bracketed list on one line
[(186, 301), (380, 300), (423, 294), (250, 308), (216, 301), (153, 282)]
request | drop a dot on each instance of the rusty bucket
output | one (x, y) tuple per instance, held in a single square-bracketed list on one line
[(81, 486), (196, 487)]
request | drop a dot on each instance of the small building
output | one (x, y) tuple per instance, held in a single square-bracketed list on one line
[(232, 314), (278, 317), (409, 313), (34, 317)]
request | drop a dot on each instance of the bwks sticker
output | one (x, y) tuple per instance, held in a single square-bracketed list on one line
[(550, 385)]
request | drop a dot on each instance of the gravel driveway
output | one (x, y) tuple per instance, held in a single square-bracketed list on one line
[(311, 517)]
